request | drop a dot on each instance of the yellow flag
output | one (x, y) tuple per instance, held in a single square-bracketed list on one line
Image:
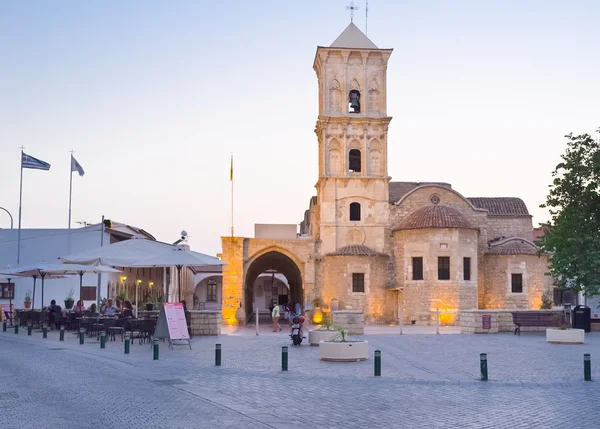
[(231, 169)]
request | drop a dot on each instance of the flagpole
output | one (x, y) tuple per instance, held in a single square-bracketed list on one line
[(70, 189), (20, 204)]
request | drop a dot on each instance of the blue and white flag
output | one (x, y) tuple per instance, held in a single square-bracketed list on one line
[(75, 166), (28, 161)]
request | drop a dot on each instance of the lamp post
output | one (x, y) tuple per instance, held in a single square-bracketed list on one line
[(9, 215)]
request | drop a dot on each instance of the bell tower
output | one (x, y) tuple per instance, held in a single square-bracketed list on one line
[(352, 129)]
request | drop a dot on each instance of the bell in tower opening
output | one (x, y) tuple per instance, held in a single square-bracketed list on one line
[(354, 101)]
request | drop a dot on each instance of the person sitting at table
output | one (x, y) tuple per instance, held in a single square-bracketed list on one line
[(79, 308), (92, 309), (127, 309), (55, 314), (110, 309)]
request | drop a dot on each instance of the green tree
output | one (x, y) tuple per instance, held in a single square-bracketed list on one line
[(573, 233)]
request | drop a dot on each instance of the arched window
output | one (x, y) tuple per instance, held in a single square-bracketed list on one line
[(211, 290), (355, 211), (354, 101), (354, 160)]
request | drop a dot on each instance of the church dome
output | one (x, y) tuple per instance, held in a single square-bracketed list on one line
[(435, 216)]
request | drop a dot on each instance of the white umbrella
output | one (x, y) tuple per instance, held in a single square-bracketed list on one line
[(179, 257), (44, 270)]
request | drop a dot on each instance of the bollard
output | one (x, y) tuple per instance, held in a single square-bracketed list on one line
[(377, 363), (16, 328), (587, 367), (81, 335), (62, 333), (4, 326), (256, 320), (127, 343), (218, 355), (29, 329), (284, 358), (437, 320), (102, 340), (484, 368), (155, 357), (44, 331)]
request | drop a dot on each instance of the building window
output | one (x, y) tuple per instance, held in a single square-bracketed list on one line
[(355, 211), (443, 268), (7, 291), (467, 268), (417, 268), (354, 101), (358, 282), (354, 161), (211, 290), (516, 283)]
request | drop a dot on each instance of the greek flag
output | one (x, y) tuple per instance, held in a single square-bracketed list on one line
[(75, 166), (28, 161)]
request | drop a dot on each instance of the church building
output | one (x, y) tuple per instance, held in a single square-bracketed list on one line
[(368, 243)]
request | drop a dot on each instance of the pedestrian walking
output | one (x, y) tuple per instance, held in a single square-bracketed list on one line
[(275, 316)]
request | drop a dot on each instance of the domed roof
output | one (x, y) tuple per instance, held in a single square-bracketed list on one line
[(435, 216), (356, 250), (512, 246)]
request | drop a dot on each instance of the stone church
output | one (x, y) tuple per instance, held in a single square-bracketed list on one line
[(372, 244)]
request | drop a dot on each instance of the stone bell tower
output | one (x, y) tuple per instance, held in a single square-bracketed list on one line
[(352, 130)]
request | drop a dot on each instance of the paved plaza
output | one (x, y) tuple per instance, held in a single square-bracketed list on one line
[(428, 381)]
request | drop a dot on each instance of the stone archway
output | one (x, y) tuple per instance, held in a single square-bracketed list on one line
[(281, 263)]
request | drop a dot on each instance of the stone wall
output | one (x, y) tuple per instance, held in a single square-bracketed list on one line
[(421, 298), (507, 226), (351, 321), (501, 321), (497, 283), (374, 302), (205, 322)]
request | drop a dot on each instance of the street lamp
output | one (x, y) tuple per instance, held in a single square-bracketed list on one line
[(11, 218)]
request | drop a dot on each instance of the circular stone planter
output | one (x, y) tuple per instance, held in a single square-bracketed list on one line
[(565, 336), (349, 351), (316, 336)]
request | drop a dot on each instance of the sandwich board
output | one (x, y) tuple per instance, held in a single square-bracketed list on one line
[(171, 324)]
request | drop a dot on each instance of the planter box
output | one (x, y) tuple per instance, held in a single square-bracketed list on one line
[(565, 336), (315, 336), (337, 351)]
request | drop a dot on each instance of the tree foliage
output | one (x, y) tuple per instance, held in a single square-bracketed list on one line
[(573, 233)]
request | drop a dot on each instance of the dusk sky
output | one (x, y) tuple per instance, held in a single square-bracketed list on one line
[(155, 96)]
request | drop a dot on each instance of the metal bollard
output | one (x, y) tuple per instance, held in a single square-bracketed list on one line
[(62, 333), (44, 331), (102, 340), (17, 328), (484, 366), (4, 326), (587, 367), (256, 316), (377, 363), (29, 329), (218, 355), (127, 343), (284, 358), (81, 335), (155, 356)]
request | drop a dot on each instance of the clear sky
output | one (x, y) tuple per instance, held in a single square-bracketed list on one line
[(153, 96)]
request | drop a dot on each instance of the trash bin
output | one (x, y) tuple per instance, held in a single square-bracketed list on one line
[(582, 318)]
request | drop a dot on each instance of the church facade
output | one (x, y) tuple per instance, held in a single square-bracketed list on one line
[(375, 245)]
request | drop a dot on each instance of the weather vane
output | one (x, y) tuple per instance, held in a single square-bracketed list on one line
[(352, 8)]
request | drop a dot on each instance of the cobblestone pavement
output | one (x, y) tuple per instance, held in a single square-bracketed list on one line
[(428, 381)]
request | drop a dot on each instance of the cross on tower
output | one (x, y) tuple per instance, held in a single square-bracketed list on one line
[(352, 8)]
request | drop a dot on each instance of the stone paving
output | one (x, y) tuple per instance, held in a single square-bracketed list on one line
[(428, 381)]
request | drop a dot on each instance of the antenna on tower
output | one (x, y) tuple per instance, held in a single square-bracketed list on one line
[(367, 17)]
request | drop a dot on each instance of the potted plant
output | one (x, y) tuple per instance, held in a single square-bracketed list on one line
[(341, 349), (69, 301), (323, 333), (149, 304), (27, 302)]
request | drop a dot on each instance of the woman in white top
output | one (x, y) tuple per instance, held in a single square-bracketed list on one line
[(275, 316)]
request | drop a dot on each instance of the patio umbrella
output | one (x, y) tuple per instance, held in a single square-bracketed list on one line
[(179, 257), (35, 271)]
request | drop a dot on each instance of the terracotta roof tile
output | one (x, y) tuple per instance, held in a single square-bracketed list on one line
[(356, 250), (399, 189), (435, 216), (512, 246), (501, 206)]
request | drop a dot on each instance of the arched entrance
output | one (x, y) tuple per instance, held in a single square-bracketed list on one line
[(273, 263)]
